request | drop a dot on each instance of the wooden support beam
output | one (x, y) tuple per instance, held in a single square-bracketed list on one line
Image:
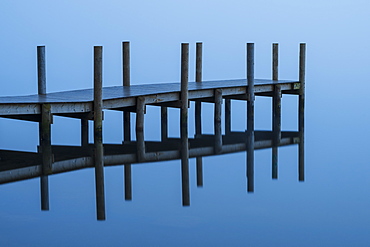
[(174, 104), (184, 125), (140, 105), (127, 109), (84, 132), (25, 117), (227, 116), (164, 123), (79, 115), (98, 132), (301, 103), (217, 121)]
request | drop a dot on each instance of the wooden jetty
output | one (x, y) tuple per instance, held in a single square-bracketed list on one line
[(89, 104)]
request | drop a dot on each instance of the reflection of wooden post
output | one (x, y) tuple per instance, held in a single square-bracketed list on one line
[(250, 117), (140, 109), (217, 121), (184, 124), (44, 186), (128, 182), (98, 133), (276, 110), (302, 74)]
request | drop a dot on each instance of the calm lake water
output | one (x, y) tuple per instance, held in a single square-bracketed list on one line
[(330, 208)]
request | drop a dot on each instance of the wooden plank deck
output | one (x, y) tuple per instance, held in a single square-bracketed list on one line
[(117, 97)]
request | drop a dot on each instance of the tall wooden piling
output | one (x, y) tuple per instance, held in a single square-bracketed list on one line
[(98, 133), (44, 129), (217, 121), (250, 117), (198, 109), (41, 70), (184, 124), (198, 79), (126, 116), (276, 110), (302, 80), (140, 109), (126, 82)]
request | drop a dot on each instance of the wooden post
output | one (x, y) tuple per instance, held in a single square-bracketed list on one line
[(198, 79), (84, 132), (126, 82), (275, 61), (217, 121), (44, 129), (140, 109), (126, 117), (198, 110), (164, 123), (276, 110), (184, 124), (250, 117), (41, 70), (98, 133), (227, 116), (302, 80)]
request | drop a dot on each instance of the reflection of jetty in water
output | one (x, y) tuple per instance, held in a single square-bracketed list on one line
[(16, 166)]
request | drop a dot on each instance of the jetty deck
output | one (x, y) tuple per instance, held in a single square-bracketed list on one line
[(118, 97)]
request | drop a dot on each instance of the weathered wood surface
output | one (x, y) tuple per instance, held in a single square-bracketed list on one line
[(116, 97)]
